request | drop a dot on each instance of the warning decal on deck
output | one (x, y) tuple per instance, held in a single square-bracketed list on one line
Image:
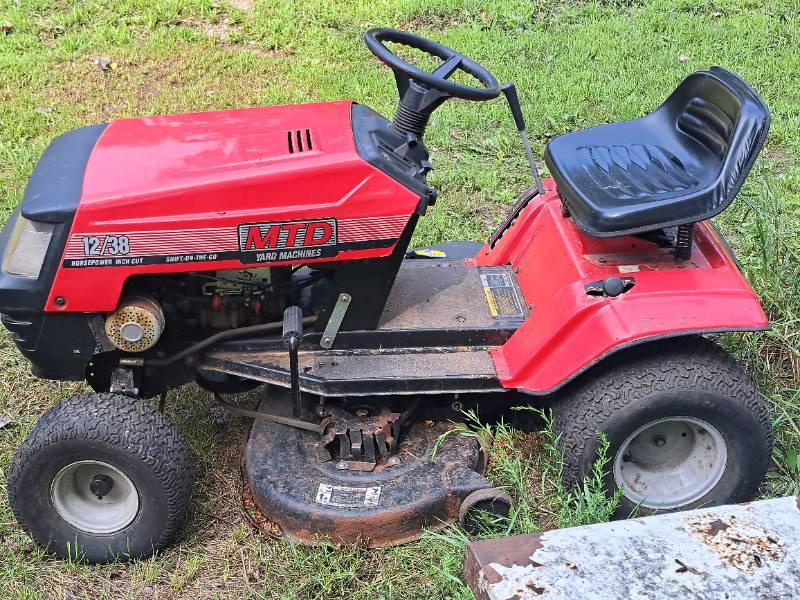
[(348, 497), (501, 294)]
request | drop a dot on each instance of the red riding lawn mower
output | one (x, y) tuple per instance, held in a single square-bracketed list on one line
[(271, 246)]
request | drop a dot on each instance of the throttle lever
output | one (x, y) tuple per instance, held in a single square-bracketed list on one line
[(510, 92)]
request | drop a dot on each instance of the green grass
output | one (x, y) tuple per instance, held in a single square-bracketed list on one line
[(576, 64)]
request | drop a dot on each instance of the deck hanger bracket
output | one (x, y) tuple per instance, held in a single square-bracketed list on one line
[(335, 321), (122, 382)]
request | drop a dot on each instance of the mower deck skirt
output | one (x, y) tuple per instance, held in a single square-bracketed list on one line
[(311, 500)]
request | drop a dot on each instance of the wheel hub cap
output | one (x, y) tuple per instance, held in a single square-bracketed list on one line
[(94, 497), (670, 462)]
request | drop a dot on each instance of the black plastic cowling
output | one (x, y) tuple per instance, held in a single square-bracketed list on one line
[(59, 346)]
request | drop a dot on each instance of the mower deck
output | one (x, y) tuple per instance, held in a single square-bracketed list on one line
[(434, 335), (310, 495)]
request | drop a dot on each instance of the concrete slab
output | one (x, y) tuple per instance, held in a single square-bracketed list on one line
[(747, 551)]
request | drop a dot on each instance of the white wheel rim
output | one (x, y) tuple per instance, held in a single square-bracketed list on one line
[(79, 506), (670, 462)]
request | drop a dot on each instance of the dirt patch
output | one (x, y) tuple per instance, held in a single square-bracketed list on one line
[(47, 30), (98, 95), (437, 21), (220, 30), (195, 79), (243, 5), (229, 35), (783, 361), (441, 20), (252, 47), (775, 154)]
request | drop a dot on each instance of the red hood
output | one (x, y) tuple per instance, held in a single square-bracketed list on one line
[(179, 191), (185, 156)]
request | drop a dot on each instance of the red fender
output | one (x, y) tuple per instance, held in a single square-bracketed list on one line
[(569, 330)]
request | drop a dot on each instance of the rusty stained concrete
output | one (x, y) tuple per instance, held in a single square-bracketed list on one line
[(748, 552)]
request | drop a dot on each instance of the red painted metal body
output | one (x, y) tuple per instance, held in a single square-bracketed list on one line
[(206, 192), (568, 330), (180, 186)]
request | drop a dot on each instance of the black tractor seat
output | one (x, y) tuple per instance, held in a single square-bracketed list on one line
[(682, 163)]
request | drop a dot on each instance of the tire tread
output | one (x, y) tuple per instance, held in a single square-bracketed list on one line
[(690, 362), (127, 423)]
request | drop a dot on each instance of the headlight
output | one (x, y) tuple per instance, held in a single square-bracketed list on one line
[(27, 247)]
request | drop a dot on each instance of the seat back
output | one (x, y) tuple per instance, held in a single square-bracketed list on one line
[(721, 112)]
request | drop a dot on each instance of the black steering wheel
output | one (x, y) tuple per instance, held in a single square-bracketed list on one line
[(438, 78), (421, 92)]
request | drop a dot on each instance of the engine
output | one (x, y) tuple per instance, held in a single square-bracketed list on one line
[(231, 299), (197, 302)]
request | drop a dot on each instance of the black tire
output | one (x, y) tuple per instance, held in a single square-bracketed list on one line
[(129, 435), (676, 378)]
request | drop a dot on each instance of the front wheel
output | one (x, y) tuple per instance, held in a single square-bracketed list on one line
[(101, 477), (685, 426)]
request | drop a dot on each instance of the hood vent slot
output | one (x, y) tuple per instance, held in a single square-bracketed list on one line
[(299, 141)]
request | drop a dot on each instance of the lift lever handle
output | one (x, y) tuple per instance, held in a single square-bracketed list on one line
[(292, 325), (510, 92), (292, 334)]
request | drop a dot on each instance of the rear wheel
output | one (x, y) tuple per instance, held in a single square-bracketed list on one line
[(685, 426), (101, 477)]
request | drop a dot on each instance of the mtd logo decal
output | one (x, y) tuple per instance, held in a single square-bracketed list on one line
[(291, 240)]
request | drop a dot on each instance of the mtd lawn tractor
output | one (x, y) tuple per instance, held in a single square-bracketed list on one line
[(271, 246)]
